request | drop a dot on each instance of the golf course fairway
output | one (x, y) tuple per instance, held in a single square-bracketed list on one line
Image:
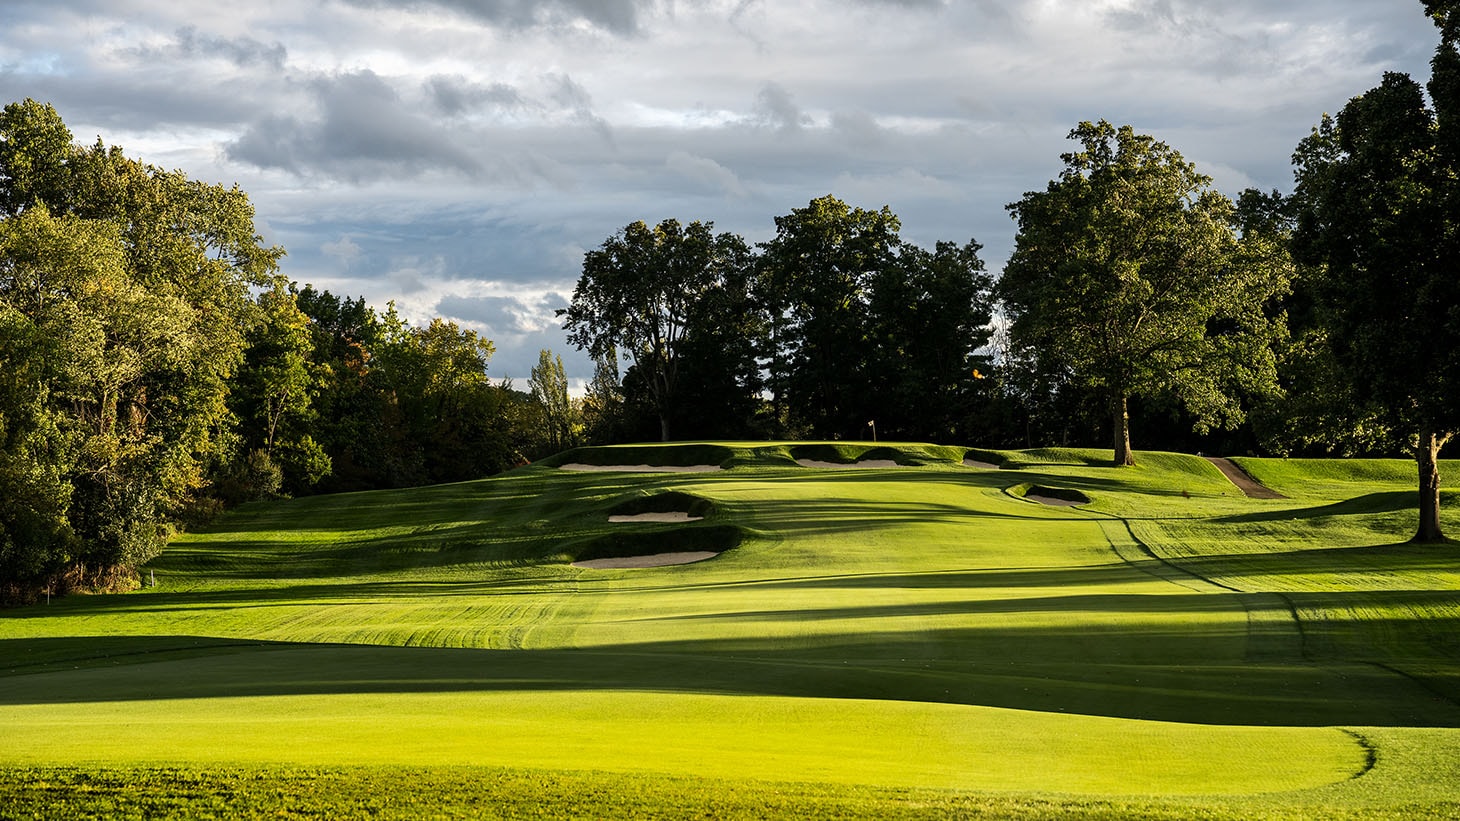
[(1047, 637)]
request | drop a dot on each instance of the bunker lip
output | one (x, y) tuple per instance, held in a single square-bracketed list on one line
[(656, 517), (866, 463), (653, 560), (579, 466)]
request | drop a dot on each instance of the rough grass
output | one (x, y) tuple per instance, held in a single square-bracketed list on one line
[(916, 636), (478, 792)]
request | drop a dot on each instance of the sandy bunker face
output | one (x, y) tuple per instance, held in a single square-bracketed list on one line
[(656, 560), (642, 468), (655, 517), (974, 463), (866, 463)]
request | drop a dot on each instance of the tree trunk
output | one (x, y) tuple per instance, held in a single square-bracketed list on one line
[(1120, 416), (1427, 456), (663, 427)]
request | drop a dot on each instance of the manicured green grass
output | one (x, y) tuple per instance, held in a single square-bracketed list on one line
[(920, 636)]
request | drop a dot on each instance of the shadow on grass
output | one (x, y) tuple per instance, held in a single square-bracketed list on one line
[(1368, 504), (1294, 693)]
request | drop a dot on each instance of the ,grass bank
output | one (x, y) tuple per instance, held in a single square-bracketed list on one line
[(919, 639)]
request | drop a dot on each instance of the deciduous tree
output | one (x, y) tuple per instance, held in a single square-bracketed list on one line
[(144, 276), (1128, 271), (637, 295), (817, 278), (549, 386), (1377, 197)]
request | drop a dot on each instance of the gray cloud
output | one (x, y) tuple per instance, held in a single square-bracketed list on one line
[(453, 95), (241, 51), (499, 314), (775, 107), (362, 131), (705, 171), (618, 16), (575, 100), (860, 128)]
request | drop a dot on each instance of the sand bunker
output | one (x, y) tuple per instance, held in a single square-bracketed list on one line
[(866, 463), (655, 517), (643, 468), (656, 560), (974, 463)]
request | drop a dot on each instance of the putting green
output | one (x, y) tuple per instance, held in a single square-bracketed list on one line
[(902, 744)]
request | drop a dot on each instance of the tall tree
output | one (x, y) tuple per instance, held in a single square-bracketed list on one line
[(817, 276), (273, 393), (1378, 190), (1127, 271), (549, 386), (637, 294), (603, 401), (155, 270), (929, 315)]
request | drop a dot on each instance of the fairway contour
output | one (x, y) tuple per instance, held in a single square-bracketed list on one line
[(1056, 638)]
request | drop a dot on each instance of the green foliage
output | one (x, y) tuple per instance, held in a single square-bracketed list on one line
[(818, 272), (867, 328), (604, 419), (273, 393), (1377, 191), (124, 297), (397, 405), (641, 294), (1128, 274), (34, 147), (929, 314), (549, 386)]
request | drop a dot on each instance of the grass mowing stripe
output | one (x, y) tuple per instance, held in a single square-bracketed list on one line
[(925, 587)]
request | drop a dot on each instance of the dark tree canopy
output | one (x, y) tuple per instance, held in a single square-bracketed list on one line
[(817, 278), (929, 315), (639, 294), (1376, 201)]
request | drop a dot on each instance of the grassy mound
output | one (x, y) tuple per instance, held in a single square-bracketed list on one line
[(1039, 493), (674, 454), (668, 501), (652, 540), (849, 453)]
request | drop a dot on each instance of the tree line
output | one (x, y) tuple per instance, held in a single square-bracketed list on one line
[(156, 365)]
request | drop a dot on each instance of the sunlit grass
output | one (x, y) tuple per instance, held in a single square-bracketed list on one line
[(917, 627)]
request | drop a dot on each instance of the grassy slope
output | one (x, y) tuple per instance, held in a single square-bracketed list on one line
[(909, 628)]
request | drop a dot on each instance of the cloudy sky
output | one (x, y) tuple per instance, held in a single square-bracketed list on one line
[(459, 156)]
